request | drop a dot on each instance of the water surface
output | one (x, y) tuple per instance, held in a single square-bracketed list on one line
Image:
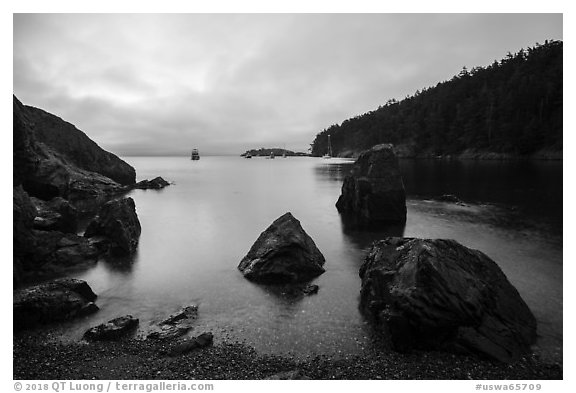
[(195, 233)]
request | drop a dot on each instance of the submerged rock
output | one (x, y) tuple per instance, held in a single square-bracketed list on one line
[(57, 300), (155, 184), (310, 290), (113, 329), (438, 294), (283, 253), (374, 192), (118, 221)]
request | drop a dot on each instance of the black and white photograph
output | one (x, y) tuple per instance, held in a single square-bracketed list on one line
[(287, 196)]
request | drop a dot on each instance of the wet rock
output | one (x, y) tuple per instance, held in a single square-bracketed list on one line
[(175, 325), (202, 341), (286, 375), (283, 253), (118, 221), (155, 184), (438, 294), (57, 300), (113, 329), (374, 192), (23, 214)]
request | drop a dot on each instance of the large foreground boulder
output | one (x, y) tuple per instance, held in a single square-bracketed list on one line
[(283, 253), (374, 191), (117, 220), (113, 329), (54, 301), (438, 294)]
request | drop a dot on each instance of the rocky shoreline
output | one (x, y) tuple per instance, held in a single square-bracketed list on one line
[(38, 356)]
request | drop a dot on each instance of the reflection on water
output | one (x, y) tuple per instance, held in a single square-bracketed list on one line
[(195, 233)]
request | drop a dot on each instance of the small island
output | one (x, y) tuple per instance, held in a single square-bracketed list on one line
[(276, 151)]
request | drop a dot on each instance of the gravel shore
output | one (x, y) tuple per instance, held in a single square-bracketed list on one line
[(36, 357)]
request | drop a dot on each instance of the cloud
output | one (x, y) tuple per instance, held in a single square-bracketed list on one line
[(162, 84)]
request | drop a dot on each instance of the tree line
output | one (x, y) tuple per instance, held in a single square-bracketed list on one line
[(512, 106)]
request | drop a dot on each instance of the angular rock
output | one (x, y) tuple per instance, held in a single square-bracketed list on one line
[(438, 294), (118, 221), (283, 253), (57, 300), (374, 192), (175, 325), (202, 341), (113, 329), (155, 184)]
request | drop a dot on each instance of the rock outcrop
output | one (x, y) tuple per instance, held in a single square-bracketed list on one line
[(113, 329), (283, 253), (117, 220), (438, 294), (374, 192), (46, 172), (54, 301), (77, 148), (155, 184)]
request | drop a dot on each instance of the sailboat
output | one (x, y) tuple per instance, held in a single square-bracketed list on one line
[(329, 154), (195, 155)]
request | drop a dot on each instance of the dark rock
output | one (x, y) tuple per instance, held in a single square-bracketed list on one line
[(310, 290), (23, 213), (283, 253), (202, 341), (53, 301), (155, 184), (77, 148), (113, 329), (118, 221), (438, 294), (175, 325), (56, 214), (286, 375), (374, 192)]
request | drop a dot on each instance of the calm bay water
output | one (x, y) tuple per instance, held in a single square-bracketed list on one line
[(195, 233)]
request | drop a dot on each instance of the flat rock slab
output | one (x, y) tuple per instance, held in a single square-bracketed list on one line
[(202, 341), (438, 294), (57, 300), (175, 325), (283, 253), (113, 329)]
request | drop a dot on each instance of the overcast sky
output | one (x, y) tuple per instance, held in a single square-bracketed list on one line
[(164, 84)]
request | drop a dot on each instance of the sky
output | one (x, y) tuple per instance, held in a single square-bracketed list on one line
[(162, 84)]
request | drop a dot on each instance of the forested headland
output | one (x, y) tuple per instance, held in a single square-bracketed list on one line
[(511, 108)]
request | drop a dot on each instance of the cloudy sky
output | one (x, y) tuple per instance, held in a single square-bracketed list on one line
[(163, 84)]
